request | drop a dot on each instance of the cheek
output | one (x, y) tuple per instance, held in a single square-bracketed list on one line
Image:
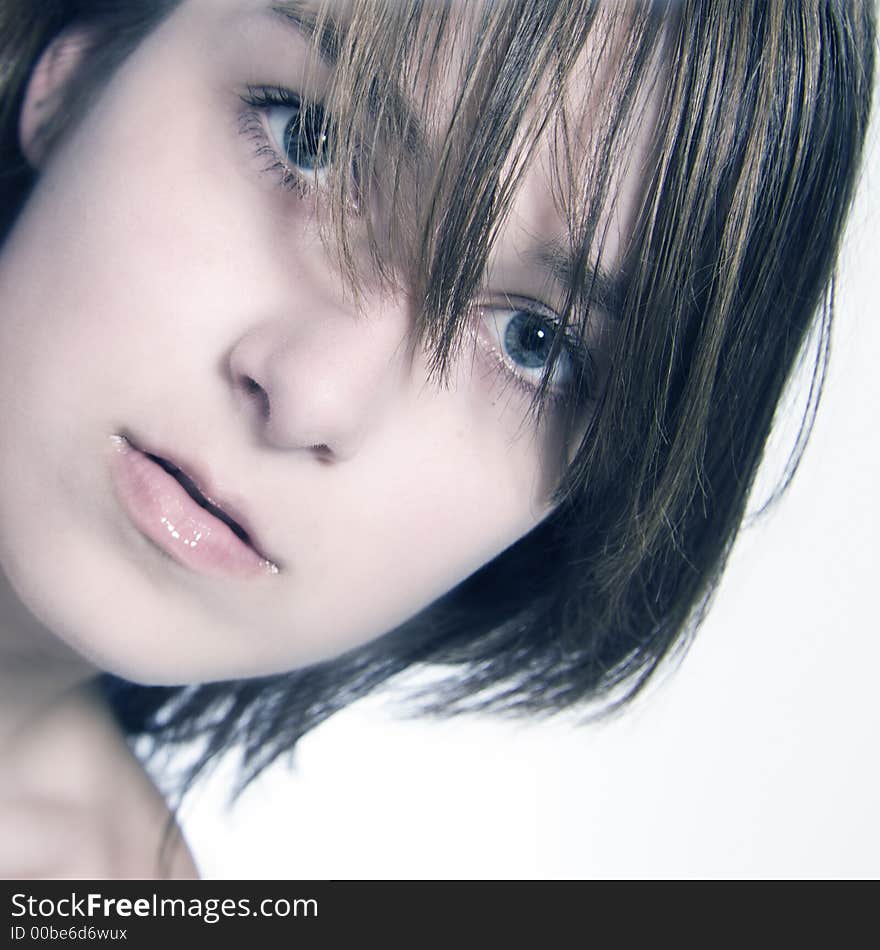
[(459, 479), (123, 269), (376, 550)]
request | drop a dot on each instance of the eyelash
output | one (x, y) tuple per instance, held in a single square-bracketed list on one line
[(573, 349), (260, 100)]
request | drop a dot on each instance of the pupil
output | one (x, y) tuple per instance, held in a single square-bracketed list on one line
[(305, 143), (529, 340)]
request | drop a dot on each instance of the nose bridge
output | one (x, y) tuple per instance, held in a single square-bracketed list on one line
[(322, 376)]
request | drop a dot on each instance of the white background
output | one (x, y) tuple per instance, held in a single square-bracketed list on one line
[(757, 757)]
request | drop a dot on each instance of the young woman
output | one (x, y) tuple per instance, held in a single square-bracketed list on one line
[(342, 337)]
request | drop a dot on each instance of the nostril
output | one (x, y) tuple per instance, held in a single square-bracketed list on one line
[(253, 388)]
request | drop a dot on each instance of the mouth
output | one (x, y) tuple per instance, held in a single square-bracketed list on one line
[(190, 487), (172, 505)]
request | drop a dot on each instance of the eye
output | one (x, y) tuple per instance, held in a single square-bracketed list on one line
[(301, 135), (292, 134), (524, 340)]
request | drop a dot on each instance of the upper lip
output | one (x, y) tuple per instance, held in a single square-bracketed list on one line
[(200, 486)]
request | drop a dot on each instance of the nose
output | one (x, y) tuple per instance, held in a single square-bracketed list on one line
[(322, 380)]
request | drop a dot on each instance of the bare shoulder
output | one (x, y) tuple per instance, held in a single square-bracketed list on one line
[(76, 803)]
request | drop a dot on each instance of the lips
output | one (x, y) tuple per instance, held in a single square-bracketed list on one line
[(173, 505), (190, 487)]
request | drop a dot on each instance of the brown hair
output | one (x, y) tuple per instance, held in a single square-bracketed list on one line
[(758, 113)]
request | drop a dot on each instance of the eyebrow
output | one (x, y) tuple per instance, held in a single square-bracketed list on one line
[(606, 290), (301, 16), (297, 14)]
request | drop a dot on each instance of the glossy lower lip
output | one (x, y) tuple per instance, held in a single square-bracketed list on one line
[(161, 509)]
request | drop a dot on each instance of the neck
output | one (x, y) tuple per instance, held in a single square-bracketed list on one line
[(36, 668)]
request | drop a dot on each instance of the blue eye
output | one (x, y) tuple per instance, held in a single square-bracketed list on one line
[(293, 135), (301, 135), (528, 340), (524, 340)]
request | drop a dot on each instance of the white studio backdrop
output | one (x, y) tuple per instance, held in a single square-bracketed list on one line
[(757, 757)]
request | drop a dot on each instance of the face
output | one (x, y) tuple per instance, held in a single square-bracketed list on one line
[(216, 464)]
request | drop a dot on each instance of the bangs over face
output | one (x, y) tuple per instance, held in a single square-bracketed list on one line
[(437, 114)]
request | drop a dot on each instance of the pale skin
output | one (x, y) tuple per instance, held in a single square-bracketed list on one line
[(155, 275)]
